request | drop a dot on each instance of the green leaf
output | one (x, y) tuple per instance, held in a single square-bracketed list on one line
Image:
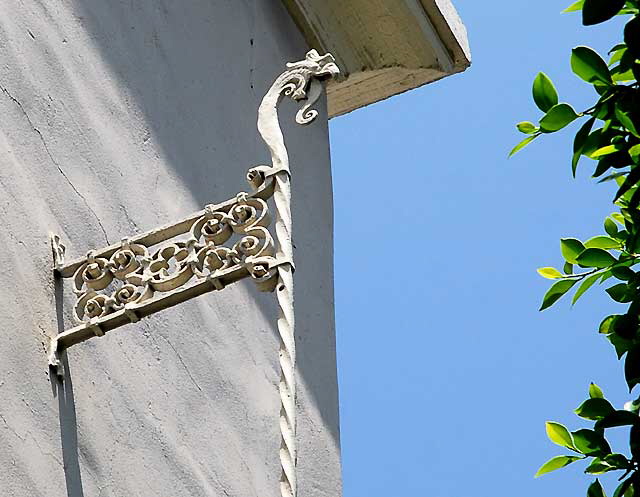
[(603, 242), (622, 489), (629, 10), (632, 367), (567, 268), (620, 177), (608, 150), (621, 293), (622, 345), (544, 93), (559, 435), (618, 217), (574, 7), (627, 183), (556, 291), (589, 66), (604, 164), (625, 120), (590, 443), (550, 273), (635, 68), (632, 36), (622, 235), (595, 257), (617, 460), (556, 463), (598, 467), (610, 227), (523, 144), (571, 248), (595, 490), (594, 409), (633, 204), (557, 118), (584, 286), (625, 325), (620, 76), (605, 275), (614, 177), (595, 392), (594, 141), (579, 143), (616, 53), (634, 152), (606, 326), (617, 418), (526, 127), (622, 273), (618, 47), (597, 11), (625, 215)]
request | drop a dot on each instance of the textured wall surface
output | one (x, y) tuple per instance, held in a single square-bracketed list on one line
[(117, 117)]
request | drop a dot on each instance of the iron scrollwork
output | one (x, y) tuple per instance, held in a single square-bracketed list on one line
[(207, 251)]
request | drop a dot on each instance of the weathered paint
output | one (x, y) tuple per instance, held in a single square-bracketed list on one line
[(383, 47)]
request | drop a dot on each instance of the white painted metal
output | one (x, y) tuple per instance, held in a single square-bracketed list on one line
[(149, 281), (293, 83)]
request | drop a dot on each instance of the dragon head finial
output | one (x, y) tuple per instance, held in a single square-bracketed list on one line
[(319, 66), (301, 81)]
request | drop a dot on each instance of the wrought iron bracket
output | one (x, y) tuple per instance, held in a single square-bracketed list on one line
[(207, 251), (145, 274)]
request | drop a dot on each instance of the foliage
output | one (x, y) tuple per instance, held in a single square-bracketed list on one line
[(609, 136)]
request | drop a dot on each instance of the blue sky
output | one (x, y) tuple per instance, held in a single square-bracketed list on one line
[(447, 370)]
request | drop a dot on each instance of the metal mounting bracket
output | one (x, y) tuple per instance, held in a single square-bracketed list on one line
[(126, 282), (207, 251)]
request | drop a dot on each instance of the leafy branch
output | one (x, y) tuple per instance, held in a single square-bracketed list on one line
[(610, 137)]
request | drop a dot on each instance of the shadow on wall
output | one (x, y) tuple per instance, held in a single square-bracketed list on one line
[(196, 71), (63, 390)]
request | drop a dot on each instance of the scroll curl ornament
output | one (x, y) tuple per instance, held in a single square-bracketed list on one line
[(215, 247), (133, 274)]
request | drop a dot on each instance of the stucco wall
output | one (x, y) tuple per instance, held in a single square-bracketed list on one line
[(116, 117)]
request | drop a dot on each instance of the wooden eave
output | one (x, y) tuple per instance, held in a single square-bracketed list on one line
[(383, 47)]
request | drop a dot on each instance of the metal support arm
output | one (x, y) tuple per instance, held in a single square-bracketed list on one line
[(207, 251)]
